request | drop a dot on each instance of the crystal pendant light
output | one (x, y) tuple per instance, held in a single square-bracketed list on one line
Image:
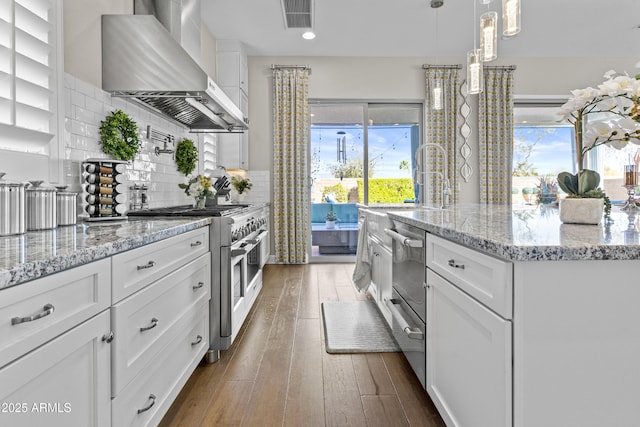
[(474, 71), (510, 17), (436, 96), (436, 90), (489, 35)]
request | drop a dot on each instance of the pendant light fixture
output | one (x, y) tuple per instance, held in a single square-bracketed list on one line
[(436, 90), (474, 63), (489, 35), (474, 71), (436, 95), (510, 17)]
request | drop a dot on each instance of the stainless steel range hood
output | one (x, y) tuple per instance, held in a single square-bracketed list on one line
[(142, 61)]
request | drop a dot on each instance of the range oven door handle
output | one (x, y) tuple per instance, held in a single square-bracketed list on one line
[(238, 252), (404, 240), (412, 333)]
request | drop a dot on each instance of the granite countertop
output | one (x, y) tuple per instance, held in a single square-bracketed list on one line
[(530, 233), (39, 253)]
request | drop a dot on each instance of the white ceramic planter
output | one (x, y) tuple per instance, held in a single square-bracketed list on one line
[(330, 224), (581, 210)]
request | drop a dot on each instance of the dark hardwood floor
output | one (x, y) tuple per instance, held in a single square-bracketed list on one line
[(277, 373)]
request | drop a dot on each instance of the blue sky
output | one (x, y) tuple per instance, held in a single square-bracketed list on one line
[(389, 145), (553, 150)]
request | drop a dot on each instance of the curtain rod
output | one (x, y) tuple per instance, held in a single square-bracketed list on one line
[(304, 67), (501, 67), (443, 67)]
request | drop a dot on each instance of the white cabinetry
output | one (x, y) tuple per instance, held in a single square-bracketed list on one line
[(469, 335), (232, 76), (380, 257), (160, 319), (468, 358), (55, 339)]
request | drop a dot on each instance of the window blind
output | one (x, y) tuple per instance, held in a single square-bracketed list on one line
[(209, 158), (29, 81)]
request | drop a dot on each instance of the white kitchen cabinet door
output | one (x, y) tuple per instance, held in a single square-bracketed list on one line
[(65, 382), (381, 276), (468, 358), (233, 148), (231, 65)]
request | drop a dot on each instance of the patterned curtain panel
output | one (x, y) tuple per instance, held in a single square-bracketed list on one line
[(441, 129), (290, 175), (495, 124)]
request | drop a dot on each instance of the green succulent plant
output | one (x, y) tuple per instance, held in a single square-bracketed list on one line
[(584, 184), (331, 216)]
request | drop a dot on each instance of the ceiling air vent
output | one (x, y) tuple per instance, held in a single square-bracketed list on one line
[(297, 13)]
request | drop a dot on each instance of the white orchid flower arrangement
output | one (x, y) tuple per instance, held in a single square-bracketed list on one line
[(619, 94)]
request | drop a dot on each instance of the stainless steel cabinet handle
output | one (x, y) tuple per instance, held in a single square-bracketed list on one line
[(154, 323), (147, 265), (404, 240), (152, 397), (46, 310), (198, 286), (197, 243), (197, 341), (413, 333), (452, 263), (108, 337)]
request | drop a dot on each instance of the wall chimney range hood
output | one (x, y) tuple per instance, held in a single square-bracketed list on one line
[(143, 62)]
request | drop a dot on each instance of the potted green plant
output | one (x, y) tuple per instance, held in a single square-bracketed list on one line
[(582, 189), (616, 96), (241, 185), (330, 219)]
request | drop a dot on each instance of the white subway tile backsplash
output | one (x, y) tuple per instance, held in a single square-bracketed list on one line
[(76, 99), (94, 105)]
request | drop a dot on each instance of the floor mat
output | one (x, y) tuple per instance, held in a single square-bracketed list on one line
[(356, 327)]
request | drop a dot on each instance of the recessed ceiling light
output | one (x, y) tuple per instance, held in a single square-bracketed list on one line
[(309, 35)]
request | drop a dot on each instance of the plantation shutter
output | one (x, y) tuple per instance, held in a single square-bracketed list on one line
[(30, 67)]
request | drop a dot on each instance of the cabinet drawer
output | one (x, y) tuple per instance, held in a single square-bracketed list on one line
[(145, 322), (162, 379), (63, 383), (56, 303), (135, 269), (487, 279)]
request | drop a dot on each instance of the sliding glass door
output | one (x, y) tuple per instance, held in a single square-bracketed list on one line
[(360, 153)]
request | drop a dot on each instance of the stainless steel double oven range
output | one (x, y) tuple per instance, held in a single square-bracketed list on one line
[(239, 244)]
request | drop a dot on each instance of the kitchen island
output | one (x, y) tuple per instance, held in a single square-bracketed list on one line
[(530, 322)]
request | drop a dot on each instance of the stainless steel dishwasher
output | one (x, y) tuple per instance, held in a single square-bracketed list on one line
[(408, 303)]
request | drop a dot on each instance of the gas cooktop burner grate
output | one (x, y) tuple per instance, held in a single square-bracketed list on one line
[(218, 210)]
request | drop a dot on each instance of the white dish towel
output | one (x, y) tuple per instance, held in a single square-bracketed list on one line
[(362, 271)]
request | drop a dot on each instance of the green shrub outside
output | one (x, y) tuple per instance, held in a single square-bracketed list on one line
[(387, 190), (340, 192)]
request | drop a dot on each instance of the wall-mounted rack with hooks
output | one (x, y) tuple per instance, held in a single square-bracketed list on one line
[(165, 138)]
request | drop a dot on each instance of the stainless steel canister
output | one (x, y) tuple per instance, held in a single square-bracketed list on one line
[(66, 202), (12, 207), (41, 207)]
